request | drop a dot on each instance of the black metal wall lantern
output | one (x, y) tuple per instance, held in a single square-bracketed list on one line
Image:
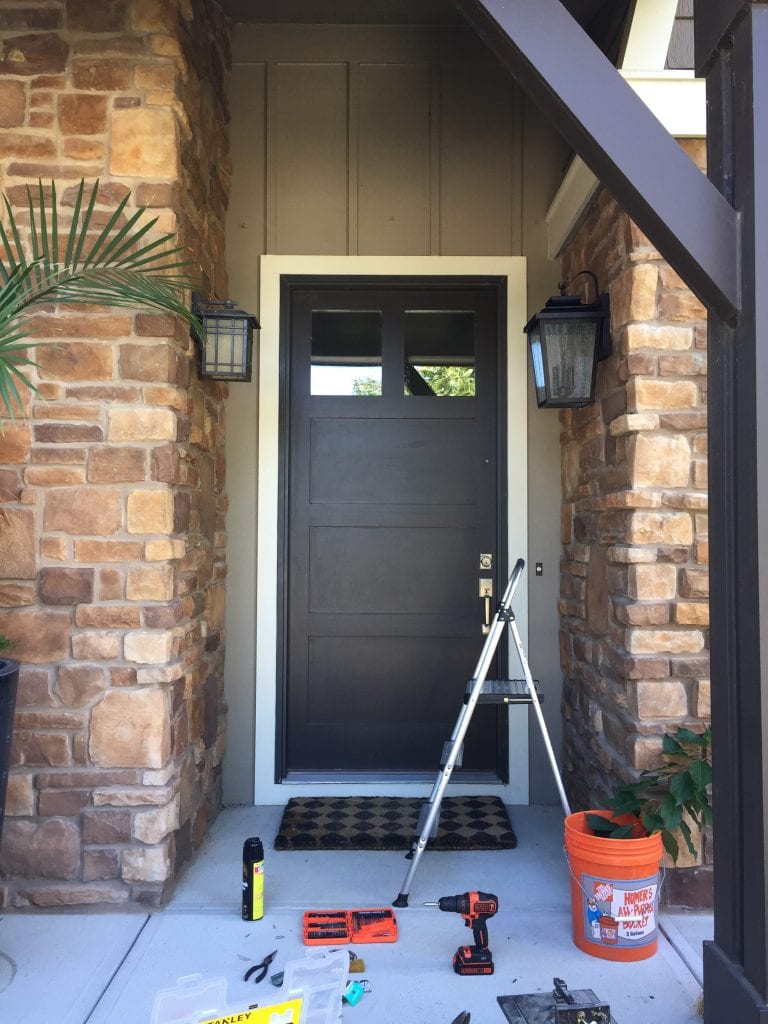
[(568, 338), (226, 348)]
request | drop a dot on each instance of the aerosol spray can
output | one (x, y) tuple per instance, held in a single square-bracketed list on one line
[(253, 880)]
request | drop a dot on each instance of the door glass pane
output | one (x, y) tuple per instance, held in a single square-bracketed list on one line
[(346, 352), (440, 353)]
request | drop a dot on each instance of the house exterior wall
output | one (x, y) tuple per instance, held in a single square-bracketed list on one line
[(415, 143), (634, 577), (113, 547), (681, 44)]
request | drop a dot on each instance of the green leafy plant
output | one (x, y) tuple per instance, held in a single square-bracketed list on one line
[(666, 800), (64, 254), (6, 644)]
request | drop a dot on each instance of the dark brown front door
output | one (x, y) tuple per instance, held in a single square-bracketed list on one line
[(391, 497)]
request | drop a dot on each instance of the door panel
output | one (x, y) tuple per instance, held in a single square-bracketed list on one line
[(391, 496), (381, 564), (429, 460)]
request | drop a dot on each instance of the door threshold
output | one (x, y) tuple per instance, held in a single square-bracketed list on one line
[(379, 778)]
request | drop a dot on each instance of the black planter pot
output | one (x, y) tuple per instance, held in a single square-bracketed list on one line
[(9, 678)]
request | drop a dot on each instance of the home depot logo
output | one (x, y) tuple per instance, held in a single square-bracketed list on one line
[(603, 891)]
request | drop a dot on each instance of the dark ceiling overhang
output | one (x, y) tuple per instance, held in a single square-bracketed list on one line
[(603, 20)]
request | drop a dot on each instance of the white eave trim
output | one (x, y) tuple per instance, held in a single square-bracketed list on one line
[(571, 200), (677, 98)]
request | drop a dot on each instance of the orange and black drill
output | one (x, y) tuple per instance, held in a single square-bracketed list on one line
[(476, 908)]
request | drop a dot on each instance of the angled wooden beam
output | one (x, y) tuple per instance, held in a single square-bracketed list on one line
[(572, 82)]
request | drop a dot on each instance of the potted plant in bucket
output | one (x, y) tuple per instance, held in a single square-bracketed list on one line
[(9, 677), (615, 854)]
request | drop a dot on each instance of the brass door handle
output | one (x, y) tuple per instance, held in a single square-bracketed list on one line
[(486, 593)]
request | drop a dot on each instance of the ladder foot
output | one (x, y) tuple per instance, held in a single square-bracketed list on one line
[(401, 901)]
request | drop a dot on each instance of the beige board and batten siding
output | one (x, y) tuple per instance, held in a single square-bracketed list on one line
[(388, 140)]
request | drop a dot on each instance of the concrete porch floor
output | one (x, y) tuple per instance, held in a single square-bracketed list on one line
[(105, 967)]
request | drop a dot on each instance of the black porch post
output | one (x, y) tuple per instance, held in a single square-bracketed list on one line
[(732, 47)]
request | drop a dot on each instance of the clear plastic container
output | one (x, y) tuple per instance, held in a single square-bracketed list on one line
[(193, 999), (320, 978), (197, 999)]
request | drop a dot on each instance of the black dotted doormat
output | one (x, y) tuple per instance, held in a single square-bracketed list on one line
[(391, 823)]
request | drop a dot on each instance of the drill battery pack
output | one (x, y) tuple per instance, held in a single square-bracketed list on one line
[(336, 927), (471, 960)]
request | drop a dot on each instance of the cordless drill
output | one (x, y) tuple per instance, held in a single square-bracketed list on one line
[(476, 908)]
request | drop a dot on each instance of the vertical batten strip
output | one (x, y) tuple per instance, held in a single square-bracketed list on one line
[(353, 158), (270, 138), (435, 104)]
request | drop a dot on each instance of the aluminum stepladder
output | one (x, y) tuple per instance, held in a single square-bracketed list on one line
[(497, 691)]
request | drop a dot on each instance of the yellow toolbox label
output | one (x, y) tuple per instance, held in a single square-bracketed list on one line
[(287, 1012)]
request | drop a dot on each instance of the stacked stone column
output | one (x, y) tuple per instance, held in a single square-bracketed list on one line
[(112, 544), (634, 577)]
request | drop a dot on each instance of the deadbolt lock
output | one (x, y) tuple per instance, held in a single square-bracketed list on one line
[(486, 561)]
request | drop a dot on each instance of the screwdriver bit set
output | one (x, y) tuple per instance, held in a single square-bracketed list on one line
[(335, 927)]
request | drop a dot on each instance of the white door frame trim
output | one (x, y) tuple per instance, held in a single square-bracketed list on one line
[(266, 791)]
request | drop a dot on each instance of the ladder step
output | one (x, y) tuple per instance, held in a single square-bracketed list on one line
[(504, 691)]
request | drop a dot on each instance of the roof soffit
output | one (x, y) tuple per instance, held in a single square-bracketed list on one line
[(604, 20)]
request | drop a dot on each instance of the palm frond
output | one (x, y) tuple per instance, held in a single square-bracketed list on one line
[(114, 220), (12, 358), (119, 264), (79, 230), (14, 242), (14, 294), (54, 225), (113, 286)]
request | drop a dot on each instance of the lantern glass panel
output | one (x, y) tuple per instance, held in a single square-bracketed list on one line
[(569, 358), (226, 346), (537, 360)]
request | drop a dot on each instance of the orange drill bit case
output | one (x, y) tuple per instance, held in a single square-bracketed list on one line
[(335, 927)]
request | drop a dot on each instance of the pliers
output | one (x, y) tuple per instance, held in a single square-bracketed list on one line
[(261, 968)]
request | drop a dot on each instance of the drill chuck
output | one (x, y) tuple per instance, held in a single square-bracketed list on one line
[(473, 904)]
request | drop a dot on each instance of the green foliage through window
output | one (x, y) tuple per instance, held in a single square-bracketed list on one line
[(366, 386), (449, 381)]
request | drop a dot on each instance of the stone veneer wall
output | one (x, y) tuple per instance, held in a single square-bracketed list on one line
[(112, 544), (634, 577)]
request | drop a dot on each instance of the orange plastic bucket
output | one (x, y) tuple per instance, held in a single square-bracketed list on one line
[(614, 891)]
